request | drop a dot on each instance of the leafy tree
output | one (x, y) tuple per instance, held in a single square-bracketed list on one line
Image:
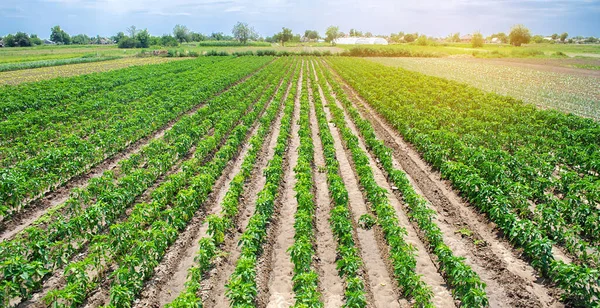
[(35, 40), (132, 31), (143, 39), (501, 36), (117, 38), (285, 35), (168, 41), (127, 42), (554, 36), (181, 33), (355, 33), (311, 34), (9, 40), (22, 40), (59, 36), (368, 34), (197, 37), (455, 37), (217, 36), (538, 39), (409, 38), (242, 32), (564, 36), (519, 35), (422, 40), (80, 39), (477, 40), (331, 34)]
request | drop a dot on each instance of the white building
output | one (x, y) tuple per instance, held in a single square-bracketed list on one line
[(361, 41)]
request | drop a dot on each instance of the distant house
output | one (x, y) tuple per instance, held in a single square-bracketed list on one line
[(1, 43), (466, 38), (49, 42), (105, 41), (495, 40)]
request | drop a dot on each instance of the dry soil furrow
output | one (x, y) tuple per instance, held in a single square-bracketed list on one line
[(171, 274), (57, 281), (425, 265), (38, 207), (100, 294), (381, 287), (330, 283), (185, 241), (493, 258), (275, 268), (213, 288)]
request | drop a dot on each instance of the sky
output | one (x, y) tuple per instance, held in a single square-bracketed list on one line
[(431, 17)]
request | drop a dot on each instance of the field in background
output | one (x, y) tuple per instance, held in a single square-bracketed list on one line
[(43, 73), (548, 85)]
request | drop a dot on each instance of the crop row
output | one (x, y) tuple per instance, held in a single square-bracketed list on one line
[(108, 131), (305, 279), (474, 138), (137, 267), (52, 247), (153, 226), (241, 289), (220, 225), (402, 254), (349, 262), (53, 62), (466, 284), (48, 94)]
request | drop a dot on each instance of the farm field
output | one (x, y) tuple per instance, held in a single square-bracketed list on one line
[(556, 84), (294, 181), (44, 73)]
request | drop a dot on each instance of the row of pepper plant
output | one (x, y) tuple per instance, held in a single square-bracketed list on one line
[(466, 285), (61, 143), (474, 137), (302, 252), (241, 289), (221, 225), (349, 263), (402, 255), (152, 227), (42, 248)]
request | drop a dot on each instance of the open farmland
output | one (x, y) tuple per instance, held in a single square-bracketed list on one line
[(547, 85), (281, 181)]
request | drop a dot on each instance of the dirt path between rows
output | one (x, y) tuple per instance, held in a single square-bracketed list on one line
[(275, 269), (171, 273), (213, 288), (425, 266), (494, 259), (330, 283), (38, 207), (381, 287)]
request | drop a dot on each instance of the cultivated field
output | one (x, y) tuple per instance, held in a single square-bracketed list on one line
[(292, 181), (558, 84)]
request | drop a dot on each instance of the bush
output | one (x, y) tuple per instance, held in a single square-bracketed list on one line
[(127, 43), (477, 40), (243, 53), (266, 53), (216, 53)]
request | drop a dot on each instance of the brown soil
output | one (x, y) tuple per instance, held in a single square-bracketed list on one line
[(213, 288), (38, 207), (330, 283), (171, 274), (275, 270), (511, 281), (382, 288)]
